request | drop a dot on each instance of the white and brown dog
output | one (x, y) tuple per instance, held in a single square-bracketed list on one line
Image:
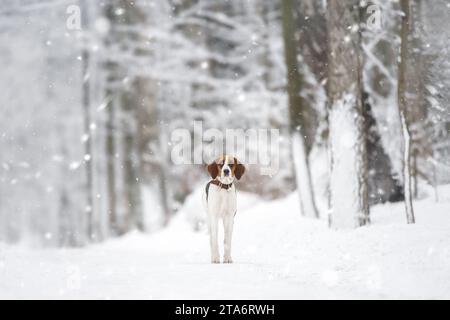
[(219, 200)]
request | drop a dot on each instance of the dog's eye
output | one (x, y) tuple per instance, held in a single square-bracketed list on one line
[(231, 165)]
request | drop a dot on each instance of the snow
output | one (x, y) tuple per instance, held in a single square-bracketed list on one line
[(344, 179), (277, 253)]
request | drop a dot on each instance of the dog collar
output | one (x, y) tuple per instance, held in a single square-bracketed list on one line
[(222, 185)]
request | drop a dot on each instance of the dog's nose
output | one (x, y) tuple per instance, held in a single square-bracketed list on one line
[(226, 172)]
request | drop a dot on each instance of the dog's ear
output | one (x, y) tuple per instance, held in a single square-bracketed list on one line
[(239, 169), (213, 170)]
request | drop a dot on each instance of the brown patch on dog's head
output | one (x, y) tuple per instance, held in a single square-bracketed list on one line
[(213, 170), (238, 169)]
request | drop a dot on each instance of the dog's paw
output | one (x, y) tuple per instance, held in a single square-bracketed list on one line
[(215, 260), (227, 260)]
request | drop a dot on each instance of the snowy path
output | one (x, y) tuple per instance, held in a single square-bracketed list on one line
[(277, 253)]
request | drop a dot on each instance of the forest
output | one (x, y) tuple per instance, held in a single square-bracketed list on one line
[(356, 91)]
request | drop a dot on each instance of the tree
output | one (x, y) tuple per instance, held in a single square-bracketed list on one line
[(92, 231), (436, 77), (348, 170), (111, 70), (415, 99), (378, 39), (300, 115), (130, 103), (382, 186), (402, 107)]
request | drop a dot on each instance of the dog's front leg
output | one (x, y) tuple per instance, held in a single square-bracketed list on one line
[(213, 235), (228, 233)]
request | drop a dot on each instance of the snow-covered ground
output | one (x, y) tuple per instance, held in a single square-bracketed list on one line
[(277, 254)]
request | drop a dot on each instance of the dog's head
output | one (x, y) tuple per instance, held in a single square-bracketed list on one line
[(226, 169)]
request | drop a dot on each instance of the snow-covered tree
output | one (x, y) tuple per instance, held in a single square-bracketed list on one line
[(348, 173)]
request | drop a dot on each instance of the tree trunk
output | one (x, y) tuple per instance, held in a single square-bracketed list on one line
[(414, 173), (92, 229), (131, 159), (298, 116), (382, 186), (110, 166), (415, 98), (111, 124), (402, 105), (348, 171)]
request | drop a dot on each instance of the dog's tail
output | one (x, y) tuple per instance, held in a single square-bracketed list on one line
[(205, 197), (207, 190)]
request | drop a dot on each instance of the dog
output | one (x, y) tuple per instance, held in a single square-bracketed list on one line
[(219, 200)]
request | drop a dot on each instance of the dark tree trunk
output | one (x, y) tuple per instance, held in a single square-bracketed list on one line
[(132, 167), (111, 165), (302, 135), (382, 187)]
